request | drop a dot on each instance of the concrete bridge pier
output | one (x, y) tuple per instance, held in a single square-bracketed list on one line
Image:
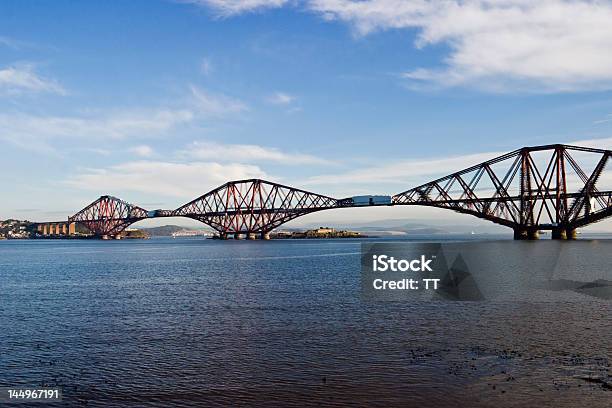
[(526, 234), (251, 236), (237, 235), (520, 234), (265, 236), (563, 233), (559, 233)]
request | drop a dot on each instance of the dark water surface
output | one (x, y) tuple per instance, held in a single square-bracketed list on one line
[(192, 322)]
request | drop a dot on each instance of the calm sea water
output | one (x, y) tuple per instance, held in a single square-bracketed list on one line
[(194, 322)]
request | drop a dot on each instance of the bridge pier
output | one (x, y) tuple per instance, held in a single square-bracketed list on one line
[(251, 236), (223, 235), (559, 233), (564, 233), (526, 234), (238, 236), (265, 236), (520, 234)]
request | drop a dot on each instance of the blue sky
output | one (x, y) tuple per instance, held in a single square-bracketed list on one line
[(158, 102)]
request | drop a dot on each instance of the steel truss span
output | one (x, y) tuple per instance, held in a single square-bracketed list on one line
[(253, 206), (108, 216), (553, 187)]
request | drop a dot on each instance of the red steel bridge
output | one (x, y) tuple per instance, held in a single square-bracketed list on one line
[(553, 187)]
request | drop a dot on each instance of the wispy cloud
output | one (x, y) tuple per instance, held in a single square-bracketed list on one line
[(280, 98), (294, 109), (608, 118), (36, 132), (184, 180), (231, 7), (10, 42), (413, 172), (603, 143), (206, 66), (404, 172), (211, 104), (247, 153), (22, 78), (16, 44), (143, 151)]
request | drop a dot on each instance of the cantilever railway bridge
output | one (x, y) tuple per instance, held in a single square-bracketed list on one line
[(553, 187)]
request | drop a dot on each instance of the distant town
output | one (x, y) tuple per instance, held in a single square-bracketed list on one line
[(321, 232), (16, 229)]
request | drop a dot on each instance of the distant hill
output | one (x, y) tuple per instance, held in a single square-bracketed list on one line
[(417, 227)]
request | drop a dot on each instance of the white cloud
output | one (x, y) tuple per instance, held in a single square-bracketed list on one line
[(604, 143), (184, 180), (38, 132), (411, 173), (231, 7), (246, 153), (494, 45), (22, 78), (406, 172), (281, 98), (34, 132), (499, 45), (142, 151), (210, 104)]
